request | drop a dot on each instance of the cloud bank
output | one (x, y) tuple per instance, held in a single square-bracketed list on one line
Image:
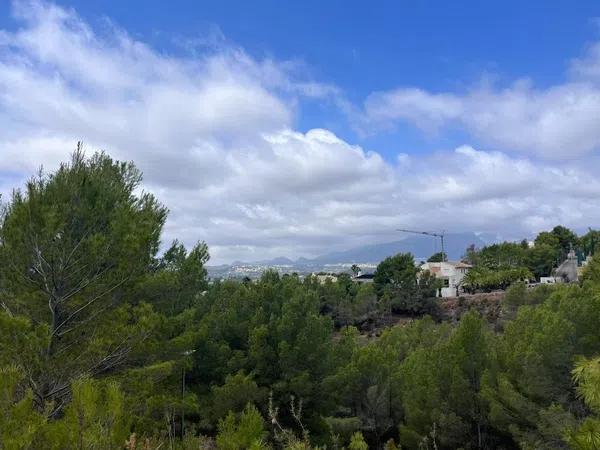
[(559, 122), (214, 133)]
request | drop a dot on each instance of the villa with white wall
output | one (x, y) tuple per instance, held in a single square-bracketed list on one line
[(451, 273)]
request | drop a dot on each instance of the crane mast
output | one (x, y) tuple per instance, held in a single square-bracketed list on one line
[(427, 233)]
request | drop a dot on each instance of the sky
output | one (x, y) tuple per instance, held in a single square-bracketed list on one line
[(293, 129)]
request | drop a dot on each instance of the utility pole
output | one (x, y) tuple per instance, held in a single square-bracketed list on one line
[(440, 235), (185, 354)]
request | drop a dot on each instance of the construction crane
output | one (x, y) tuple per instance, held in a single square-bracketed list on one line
[(440, 235)]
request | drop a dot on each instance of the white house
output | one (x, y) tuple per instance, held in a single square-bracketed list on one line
[(451, 273), (550, 280)]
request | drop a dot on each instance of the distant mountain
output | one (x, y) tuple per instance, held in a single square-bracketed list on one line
[(279, 261), (421, 247)]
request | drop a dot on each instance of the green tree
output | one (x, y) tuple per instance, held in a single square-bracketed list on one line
[(398, 272), (19, 422), (592, 269), (502, 255), (586, 435), (178, 279), (438, 257), (547, 238), (481, 278), (73, 244), (238, 391), (527, 395), (590, 242), (541, 259), (550, 249), (566, 238), (357, 442), (245, 432), (95, 418), (440, 387), (397, 277)]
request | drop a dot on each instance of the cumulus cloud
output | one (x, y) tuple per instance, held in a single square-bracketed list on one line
[(558, 122), (214, 133)]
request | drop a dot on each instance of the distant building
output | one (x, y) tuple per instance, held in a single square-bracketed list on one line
[(364, 278), (550, 280), (451, 273)]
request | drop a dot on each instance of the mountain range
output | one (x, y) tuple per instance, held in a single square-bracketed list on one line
[(422, 247)]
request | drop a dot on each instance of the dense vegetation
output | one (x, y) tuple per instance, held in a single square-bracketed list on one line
[(105, 343), (498, 266)]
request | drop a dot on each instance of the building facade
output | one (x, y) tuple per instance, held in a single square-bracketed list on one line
[(451, 273)]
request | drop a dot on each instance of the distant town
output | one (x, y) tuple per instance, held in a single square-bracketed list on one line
[(255, 270)]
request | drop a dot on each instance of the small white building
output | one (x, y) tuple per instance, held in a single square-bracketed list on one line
[(550, 280), (451, 273)]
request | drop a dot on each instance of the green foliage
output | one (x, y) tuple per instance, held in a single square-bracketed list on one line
[(549, 250), (438, 257), (343, 427), (586, 375), (590, 242), (519, 294), (22, 343), (245, 432), (396, 281), (72, 245), (350, 305), (542, 258), (368, 382), (19, 423), (398, 273), (95, 418), (481, 278), (357, 442), (530, 394), (105, 344), (268, 335), (237, 391), (567, 240), (592, 270), (503, 255), (440, 387), (178, 280)]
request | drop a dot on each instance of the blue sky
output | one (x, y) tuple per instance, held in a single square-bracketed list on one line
[(373, 46), (429, 113)]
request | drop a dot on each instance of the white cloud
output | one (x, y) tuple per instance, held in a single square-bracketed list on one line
[(214, 134), (588, 67), (557, 122)]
